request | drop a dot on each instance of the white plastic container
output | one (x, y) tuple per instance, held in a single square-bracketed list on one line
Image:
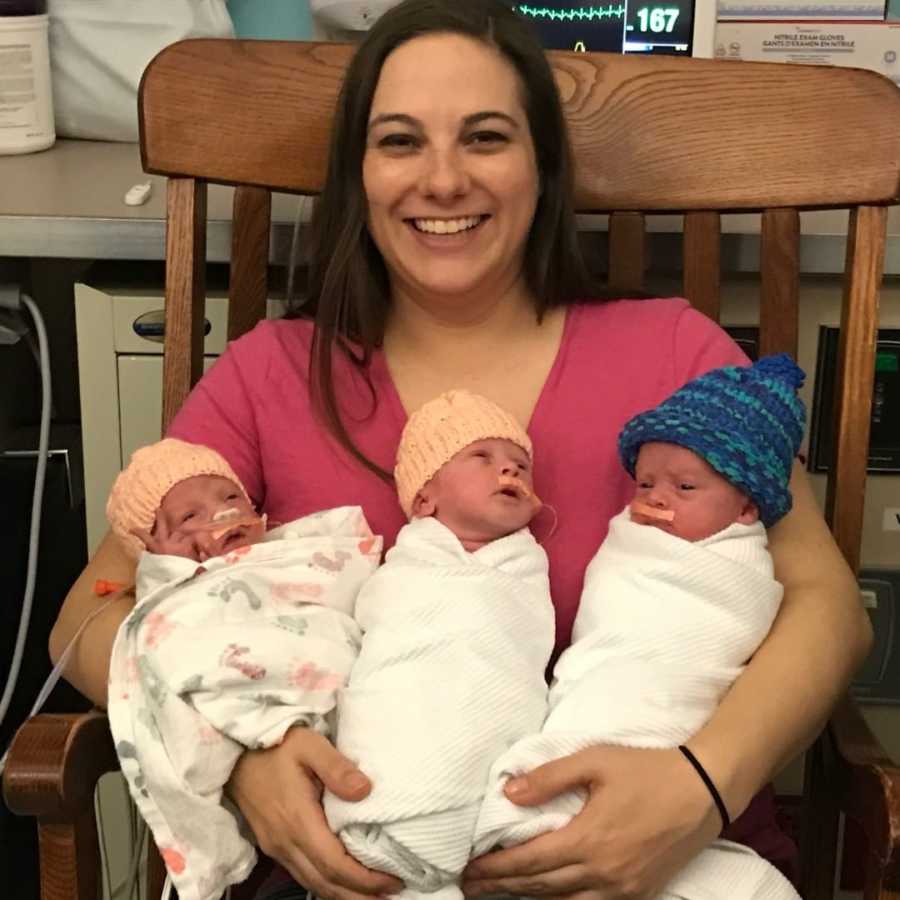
[(26, 101)]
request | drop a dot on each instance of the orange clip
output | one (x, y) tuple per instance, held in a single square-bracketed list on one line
[(103, 588)]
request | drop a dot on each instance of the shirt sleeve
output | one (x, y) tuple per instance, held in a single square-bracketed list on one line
[(699, 345), (219, 413)]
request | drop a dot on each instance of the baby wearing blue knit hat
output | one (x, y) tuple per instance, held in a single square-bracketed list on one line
[(719, 450), (669, 615)]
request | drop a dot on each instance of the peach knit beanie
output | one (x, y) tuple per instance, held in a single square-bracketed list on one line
[(440, 429), (152, 472)]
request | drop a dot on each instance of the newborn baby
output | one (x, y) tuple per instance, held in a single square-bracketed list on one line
[(457, 632), (236, 636), (676, 600)]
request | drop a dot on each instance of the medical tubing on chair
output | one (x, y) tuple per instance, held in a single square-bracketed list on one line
[(56, 674), (40, 475)]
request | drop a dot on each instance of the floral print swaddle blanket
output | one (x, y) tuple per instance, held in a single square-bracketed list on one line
[(228, 655)]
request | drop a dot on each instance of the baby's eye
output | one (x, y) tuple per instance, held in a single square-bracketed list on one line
[(645, 485), (481, 454), (187, 516), (232, 497), (685, 486)]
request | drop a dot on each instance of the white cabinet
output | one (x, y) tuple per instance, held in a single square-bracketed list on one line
[(119, 334), (140, 400)]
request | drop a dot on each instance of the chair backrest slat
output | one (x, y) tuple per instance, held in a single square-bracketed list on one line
[(702, 268), (249, 282), (185, 291), (855, 378), (627, 252), (269, 106), (704, 152), (780, 281)]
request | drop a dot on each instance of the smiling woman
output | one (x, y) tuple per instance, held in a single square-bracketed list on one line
[(444, 256), (452, 186)]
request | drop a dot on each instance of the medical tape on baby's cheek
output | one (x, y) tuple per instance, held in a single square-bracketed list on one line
[(221, 527), (652, 512)]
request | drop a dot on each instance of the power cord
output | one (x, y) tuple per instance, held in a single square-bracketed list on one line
[(12, 298)]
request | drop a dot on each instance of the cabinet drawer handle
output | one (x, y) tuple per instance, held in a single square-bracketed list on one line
[(152, 326)]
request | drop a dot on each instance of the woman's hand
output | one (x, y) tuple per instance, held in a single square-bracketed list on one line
[(647, 814), (279, 792)]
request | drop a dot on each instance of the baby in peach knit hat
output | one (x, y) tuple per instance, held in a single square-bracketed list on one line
[(468, 463), (182, 499), (237, 635), (458, 627)]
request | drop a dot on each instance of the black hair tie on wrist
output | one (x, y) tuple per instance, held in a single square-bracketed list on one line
[(723, 812)]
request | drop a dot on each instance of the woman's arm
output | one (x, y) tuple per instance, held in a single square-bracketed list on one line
[(88, 666), (820, 637)]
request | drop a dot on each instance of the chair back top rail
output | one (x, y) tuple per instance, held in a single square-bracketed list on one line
[(650, 133)]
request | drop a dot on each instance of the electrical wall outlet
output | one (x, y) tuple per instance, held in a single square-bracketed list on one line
[(879, 679)]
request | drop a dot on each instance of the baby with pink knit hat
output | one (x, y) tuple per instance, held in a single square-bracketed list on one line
[(467, 463), (237, 635), (182, 499), (458, 629)]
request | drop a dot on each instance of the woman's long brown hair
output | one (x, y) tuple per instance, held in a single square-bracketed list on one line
[(349, 290)]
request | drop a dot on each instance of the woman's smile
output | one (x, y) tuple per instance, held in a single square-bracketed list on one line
[(447, 234), (446, 226)]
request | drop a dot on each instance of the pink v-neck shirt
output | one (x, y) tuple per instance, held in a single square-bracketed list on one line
[(615, 359)]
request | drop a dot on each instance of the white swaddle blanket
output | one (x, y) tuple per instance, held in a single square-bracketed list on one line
[(450, 674), (664, 627), (228, 655)]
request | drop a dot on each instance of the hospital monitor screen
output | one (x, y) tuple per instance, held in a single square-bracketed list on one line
[(675, 27)]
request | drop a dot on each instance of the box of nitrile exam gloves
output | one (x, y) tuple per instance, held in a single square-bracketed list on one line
[(866, 45), (818, 10)]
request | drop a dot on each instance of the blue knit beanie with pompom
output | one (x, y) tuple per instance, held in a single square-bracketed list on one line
[(745, 421)]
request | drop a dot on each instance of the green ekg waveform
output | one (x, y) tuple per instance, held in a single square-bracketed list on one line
[(584, 14)]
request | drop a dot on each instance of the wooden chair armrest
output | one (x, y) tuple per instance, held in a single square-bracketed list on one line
[(54, 764), (870, 787)]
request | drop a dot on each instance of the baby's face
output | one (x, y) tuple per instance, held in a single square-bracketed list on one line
[(196, 514), (688, 497), (483, 493)]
